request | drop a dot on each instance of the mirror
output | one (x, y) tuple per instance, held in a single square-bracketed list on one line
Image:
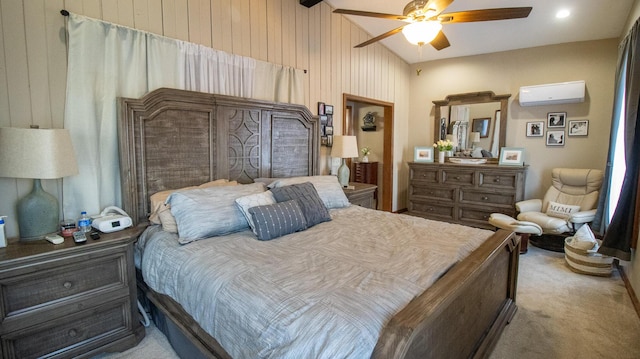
[(474, 121)]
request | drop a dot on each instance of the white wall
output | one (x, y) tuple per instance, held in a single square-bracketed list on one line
[(33, 62)]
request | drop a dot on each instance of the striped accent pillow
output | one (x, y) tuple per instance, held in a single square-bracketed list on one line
[(275, 220), (308, 199)]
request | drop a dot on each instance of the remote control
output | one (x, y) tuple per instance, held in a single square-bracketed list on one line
[(79, 237), (54, 238)]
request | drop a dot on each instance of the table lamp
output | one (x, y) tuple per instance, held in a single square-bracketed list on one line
[(475, 139), (37, 154), (344, 147)]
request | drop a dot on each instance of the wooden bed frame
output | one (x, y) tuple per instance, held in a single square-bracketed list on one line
[(174, 138)]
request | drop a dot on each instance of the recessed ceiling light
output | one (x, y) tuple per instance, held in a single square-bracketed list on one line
[(563, 13)]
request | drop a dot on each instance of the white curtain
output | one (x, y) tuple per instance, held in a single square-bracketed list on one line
[(107, 61)]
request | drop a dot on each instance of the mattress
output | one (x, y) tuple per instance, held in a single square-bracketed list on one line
[(326, 292)]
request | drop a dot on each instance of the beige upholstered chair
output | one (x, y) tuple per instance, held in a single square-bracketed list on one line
[(569, 203)]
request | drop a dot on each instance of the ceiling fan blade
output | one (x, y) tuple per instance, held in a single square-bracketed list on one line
[(440, 42), (438, 5), (370, 14), (380, 37), (485, 15)]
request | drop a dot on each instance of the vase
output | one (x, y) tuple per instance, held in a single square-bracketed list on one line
[(441, 156), (365, 158), (449, 153)]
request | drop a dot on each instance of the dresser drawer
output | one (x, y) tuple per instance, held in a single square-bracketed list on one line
[(26, 292), (71, 335), (431, 209), (458, 177), (432, 192), (424, 174), (498, 180), (489, 198)]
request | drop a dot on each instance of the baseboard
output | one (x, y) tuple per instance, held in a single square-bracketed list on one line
[(632, 293), (401, 210)]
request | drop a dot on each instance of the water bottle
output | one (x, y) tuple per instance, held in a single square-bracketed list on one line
[(3, 238), (84, 222)]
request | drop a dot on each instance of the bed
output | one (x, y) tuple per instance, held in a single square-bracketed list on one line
[(171, 139)]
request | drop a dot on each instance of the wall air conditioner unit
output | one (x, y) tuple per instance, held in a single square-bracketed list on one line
[(551, 94)]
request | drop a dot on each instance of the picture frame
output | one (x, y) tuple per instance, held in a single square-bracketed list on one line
[(321, 108), (481, 125), (556, 119), (511, 156), (423, 154), (535, 129), (578, 128), (328, 109), (329, 140), (555, 138), (328, 130)]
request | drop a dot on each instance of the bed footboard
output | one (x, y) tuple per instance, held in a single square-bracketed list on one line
[(463, 314)]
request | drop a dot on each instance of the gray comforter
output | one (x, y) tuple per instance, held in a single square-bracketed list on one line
[(326, 292)]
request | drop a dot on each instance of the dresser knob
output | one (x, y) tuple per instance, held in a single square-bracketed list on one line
[(497, 180), (484, 198), (73, 333), (457, 177), (67, 285)]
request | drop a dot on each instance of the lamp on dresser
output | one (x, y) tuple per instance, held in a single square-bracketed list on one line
[(37, 154), (344, 147)]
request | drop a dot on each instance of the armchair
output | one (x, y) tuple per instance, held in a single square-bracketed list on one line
[(569, 203)]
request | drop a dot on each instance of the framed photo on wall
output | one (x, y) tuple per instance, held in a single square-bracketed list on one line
[(535, 129), (328, 109), (556, 119), (321, 108), (511, 156), (555, 138), (578, 128), (423, 154)]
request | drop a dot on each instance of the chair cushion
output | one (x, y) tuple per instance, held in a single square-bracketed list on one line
[(552, 225), (561, 210)]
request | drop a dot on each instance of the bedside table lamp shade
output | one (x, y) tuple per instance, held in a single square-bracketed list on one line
[(344, 147), (38, 154)]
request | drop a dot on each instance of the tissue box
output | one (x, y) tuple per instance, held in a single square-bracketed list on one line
[(587, 261)]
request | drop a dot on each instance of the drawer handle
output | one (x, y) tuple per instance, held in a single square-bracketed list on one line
[(73, 333), (497, 180), (67, 285), (484, 198), (457, 177), (430, 209), (431, 193)]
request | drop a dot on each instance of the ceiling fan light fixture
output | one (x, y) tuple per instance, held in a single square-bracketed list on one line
[(422, 32)]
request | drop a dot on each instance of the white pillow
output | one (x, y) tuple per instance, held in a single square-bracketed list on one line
[(561, 210), (208, 212), (254, 200), (328, 188), (583, 239)]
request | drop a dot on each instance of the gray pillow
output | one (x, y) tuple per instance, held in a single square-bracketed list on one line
[(310, 203), (328, 188), (275, 220), (207, 212)]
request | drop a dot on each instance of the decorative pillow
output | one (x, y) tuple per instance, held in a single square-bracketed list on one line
[(310, 203), (208, 212), (561, 210), (160, 210), (254, 200), (328, 188), (276, 220)]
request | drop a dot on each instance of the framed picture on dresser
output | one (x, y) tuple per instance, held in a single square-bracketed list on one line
[(423, 154), (511, 156)]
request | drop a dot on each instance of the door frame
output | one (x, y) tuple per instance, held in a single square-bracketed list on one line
[(387, 156)]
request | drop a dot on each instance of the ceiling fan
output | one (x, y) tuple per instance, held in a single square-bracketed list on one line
[(425, 19)]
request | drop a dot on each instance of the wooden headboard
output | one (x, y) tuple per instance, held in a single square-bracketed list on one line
[(172, 138)]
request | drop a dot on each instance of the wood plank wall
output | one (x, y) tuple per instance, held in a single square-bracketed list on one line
[(33, 62)]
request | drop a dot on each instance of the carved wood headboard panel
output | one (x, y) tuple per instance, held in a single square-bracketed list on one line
[(172, 138)]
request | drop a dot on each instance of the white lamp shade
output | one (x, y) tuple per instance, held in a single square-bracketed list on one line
[(36, 153), (421, 32), (344, 147), (475, 136)]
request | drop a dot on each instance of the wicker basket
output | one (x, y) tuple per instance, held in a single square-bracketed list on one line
[(587, 262)]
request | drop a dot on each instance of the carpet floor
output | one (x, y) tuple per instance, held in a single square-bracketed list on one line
[(561, 314)]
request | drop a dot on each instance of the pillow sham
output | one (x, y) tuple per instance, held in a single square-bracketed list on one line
[(308, 199), (278, 219), (208, 212), (254, 200), (561, 210), (328, 188)]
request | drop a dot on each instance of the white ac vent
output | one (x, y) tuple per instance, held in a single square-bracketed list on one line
[(551, 94)]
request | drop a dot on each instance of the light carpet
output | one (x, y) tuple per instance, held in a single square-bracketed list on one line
[(561, 314)]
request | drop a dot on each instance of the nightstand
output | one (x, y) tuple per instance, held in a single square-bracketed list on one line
[(363, 194), (69, 300)]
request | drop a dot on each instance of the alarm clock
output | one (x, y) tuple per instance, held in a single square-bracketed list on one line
[(108, 221)]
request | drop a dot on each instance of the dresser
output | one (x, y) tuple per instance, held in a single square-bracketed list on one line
[(365, 172), (464, 193), (69, 300), (362, 194)]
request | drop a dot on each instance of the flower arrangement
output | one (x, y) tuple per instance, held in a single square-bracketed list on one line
[(365, 151), (444, 145)]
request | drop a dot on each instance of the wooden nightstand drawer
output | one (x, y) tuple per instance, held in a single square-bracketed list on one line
[(71, 335), (27, 292)]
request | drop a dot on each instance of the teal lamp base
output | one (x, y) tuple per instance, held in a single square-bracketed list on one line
[(38, 214), (343, 174)]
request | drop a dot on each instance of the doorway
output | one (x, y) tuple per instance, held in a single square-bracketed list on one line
[(383, 139)]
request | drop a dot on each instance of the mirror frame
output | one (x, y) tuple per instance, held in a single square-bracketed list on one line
[(471, 98)]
